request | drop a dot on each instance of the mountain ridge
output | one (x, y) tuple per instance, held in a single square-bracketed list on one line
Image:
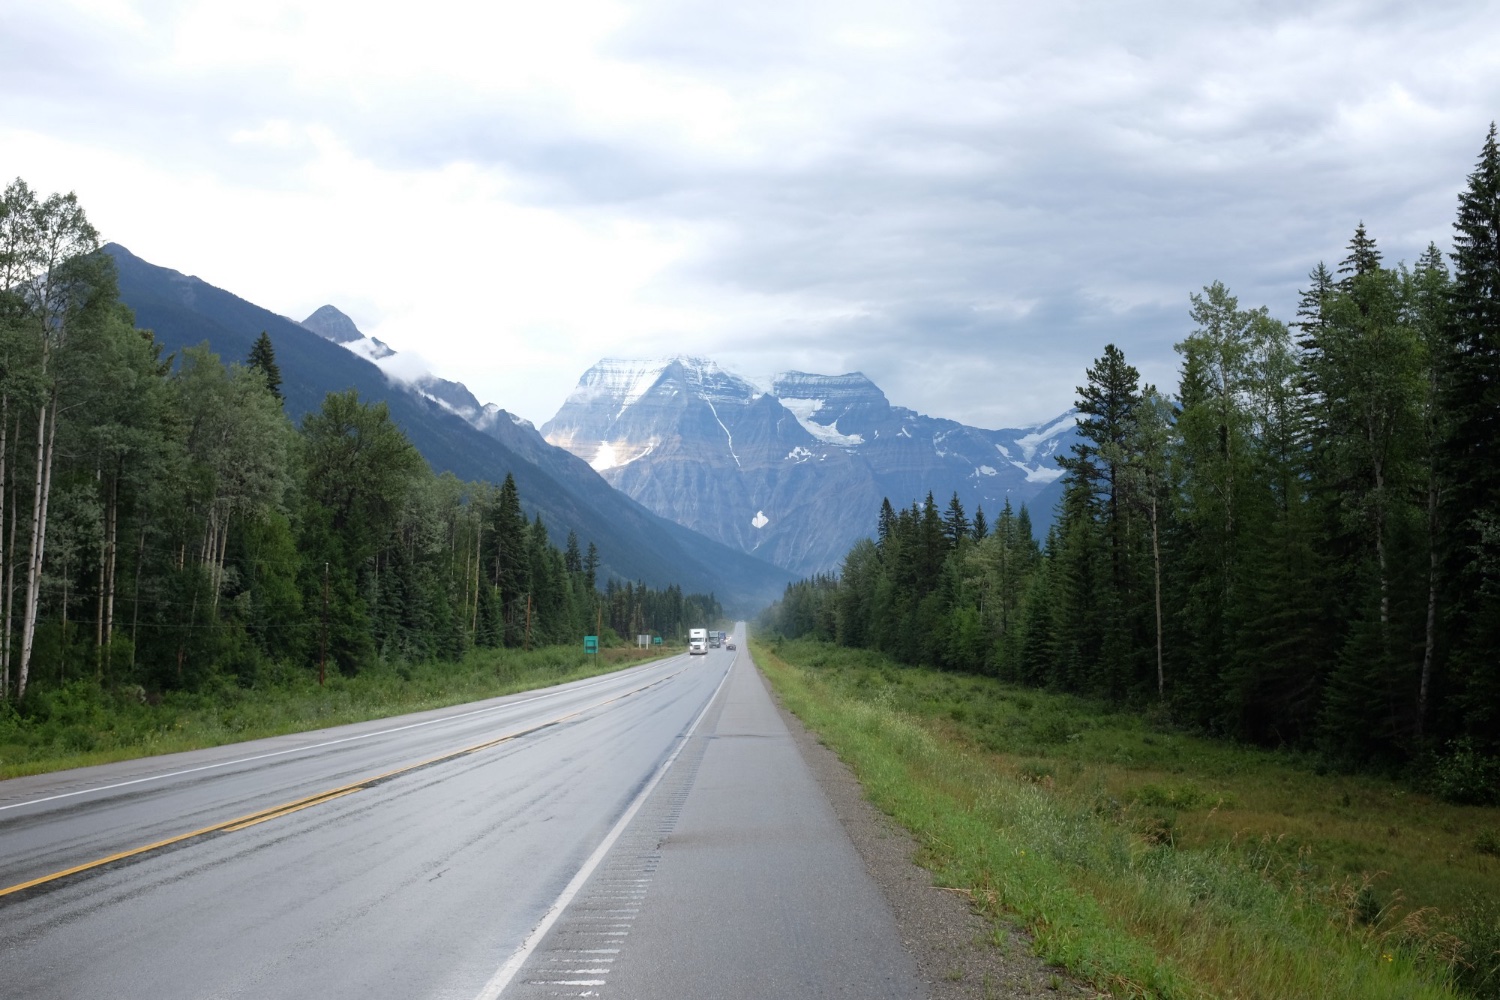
[(634, 544), (795, 473)]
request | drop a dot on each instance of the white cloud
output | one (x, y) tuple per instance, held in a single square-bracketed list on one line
[(964, 200)]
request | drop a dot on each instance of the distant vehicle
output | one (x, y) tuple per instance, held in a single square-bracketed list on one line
[(715, 639), (697, 641), (730, 644)]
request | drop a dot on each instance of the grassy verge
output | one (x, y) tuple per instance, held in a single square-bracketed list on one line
[(1154, 864), (80, 724)]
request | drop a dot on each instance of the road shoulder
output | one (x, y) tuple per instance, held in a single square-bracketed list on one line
[(959, 953)]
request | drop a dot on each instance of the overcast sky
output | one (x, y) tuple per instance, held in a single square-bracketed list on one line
[(964, 200)]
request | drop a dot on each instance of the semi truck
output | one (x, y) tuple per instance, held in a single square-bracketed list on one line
[(697, 641)]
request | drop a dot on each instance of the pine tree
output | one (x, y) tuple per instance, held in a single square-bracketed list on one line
[(1107, 401), (955, 522), (887, 522), (1098, 490), (1471, 452), (263, 360), (1430, 301), (1363, 257), (572, 559), (591, 569)]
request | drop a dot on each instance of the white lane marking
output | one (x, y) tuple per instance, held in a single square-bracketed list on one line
[(502, 977), (313, 746)]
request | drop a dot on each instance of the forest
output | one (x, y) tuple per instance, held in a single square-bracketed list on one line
[(164, 526), (1298, 547)]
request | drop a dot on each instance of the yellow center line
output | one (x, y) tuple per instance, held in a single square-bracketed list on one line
[(296, 805), (291, 809)]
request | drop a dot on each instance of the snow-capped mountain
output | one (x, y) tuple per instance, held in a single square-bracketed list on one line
[(633, 544), (794, 475)]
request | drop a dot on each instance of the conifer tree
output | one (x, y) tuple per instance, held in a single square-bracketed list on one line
[(886, 523), (955, 523), (1430, 300), (263, 359), (572, 559), (1471, 453), (591, 569)]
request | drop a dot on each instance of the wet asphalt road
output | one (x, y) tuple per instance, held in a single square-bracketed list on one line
[(417, 857)]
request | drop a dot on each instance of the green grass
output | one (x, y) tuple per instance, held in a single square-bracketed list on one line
[(1152, 863), (81, 724)]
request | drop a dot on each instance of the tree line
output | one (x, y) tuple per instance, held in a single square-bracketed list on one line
[(1300, 546), (164, 524)]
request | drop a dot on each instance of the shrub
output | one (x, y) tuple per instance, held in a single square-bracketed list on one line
[(1487, 842), (1465, 775), (1477, 971)]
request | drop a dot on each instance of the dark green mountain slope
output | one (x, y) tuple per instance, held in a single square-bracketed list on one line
[(633, 543)]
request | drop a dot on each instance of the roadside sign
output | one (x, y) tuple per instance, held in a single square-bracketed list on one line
[(591, 644), (642, 641), (656, 641)]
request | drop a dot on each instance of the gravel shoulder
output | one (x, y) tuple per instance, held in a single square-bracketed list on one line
[(960, 953)]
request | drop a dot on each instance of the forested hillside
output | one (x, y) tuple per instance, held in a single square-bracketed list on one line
[(183, 311), (1299, 546), (164, 525)]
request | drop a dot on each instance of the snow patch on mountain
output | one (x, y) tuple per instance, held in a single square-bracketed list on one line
[(805, 409), (985, 470), (604, 458), (728, 436), (1044, 438), (613, 454), (624, 382), (1039, 474), (1044, 475), (760, 520)]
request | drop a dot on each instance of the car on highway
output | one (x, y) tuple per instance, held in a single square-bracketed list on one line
[(729, 644)]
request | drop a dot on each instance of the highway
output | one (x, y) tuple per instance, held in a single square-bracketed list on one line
[(652, 833)]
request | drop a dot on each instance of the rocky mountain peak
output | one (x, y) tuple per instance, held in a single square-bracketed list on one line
[(794, 475), (828, 399), (331, 324)]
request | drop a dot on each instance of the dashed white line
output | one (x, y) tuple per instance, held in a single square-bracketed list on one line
[(503, 976)]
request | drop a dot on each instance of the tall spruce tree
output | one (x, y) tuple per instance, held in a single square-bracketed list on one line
[(1430, 301), (263, 360), (1098, 488), (1471, 453)]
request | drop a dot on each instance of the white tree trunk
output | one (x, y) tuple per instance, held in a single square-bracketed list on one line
[(5, 552), (1161, 683), (46, 439), (10, 569)]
